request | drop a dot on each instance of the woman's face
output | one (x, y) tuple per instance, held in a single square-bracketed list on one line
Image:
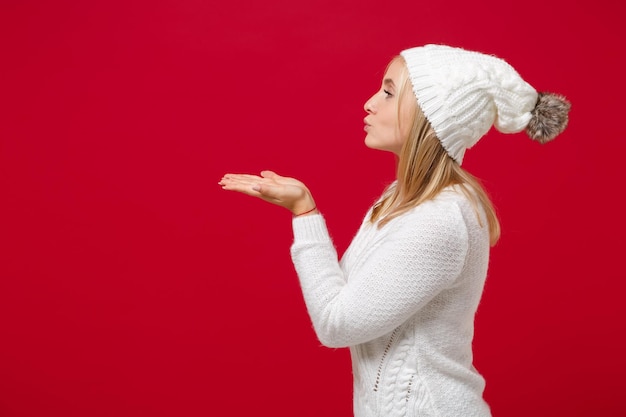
[(386, 128)]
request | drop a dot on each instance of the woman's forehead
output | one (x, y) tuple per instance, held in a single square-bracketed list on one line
[(395, 71)]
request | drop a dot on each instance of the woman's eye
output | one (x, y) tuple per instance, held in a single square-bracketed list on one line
[(387, 93)]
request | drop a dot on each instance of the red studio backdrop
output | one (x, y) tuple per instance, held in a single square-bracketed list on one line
[(132, 285)]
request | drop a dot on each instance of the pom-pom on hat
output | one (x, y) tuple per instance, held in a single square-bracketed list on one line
[(463, 93)]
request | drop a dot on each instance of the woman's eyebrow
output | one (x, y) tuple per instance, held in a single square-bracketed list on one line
[(389, 81)]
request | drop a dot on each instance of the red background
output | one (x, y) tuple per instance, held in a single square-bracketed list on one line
[(132, 285)]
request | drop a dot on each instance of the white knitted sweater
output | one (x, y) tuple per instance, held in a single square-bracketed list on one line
[(403, 298)]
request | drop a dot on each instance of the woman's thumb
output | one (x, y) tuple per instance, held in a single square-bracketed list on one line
[(269, 174)]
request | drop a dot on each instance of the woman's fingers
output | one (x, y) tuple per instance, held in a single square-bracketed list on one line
[(245, 187), (242, 177), (232, 181), (250, 184), (268, 178)]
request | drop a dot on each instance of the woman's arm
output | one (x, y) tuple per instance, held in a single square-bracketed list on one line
[(420, 255)]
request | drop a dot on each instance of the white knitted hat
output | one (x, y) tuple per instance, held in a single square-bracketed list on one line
[(463, 93)]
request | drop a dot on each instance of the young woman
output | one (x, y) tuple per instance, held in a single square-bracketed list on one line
[(404, 294)]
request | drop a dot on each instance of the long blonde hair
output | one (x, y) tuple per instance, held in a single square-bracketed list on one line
[(424, 170)]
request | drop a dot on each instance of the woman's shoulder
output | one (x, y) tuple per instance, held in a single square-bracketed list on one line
[(448, 202), (437, 223), (450, 209)]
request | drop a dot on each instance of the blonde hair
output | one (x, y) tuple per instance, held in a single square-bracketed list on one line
[(424, 170)]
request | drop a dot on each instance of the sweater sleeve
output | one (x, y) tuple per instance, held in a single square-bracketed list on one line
[(415, 258)]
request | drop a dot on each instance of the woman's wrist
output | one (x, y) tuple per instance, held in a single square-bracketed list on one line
[(306, 213), (304, 207)]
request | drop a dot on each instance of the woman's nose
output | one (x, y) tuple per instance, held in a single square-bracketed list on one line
[(369, 105)]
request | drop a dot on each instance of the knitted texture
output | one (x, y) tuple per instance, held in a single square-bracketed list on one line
[(463, 93), (403, 298)]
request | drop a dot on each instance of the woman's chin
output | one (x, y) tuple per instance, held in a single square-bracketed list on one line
[(370, 143), (373, 145)]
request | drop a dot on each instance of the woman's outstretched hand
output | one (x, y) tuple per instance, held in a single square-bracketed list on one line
[(282, 191)]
